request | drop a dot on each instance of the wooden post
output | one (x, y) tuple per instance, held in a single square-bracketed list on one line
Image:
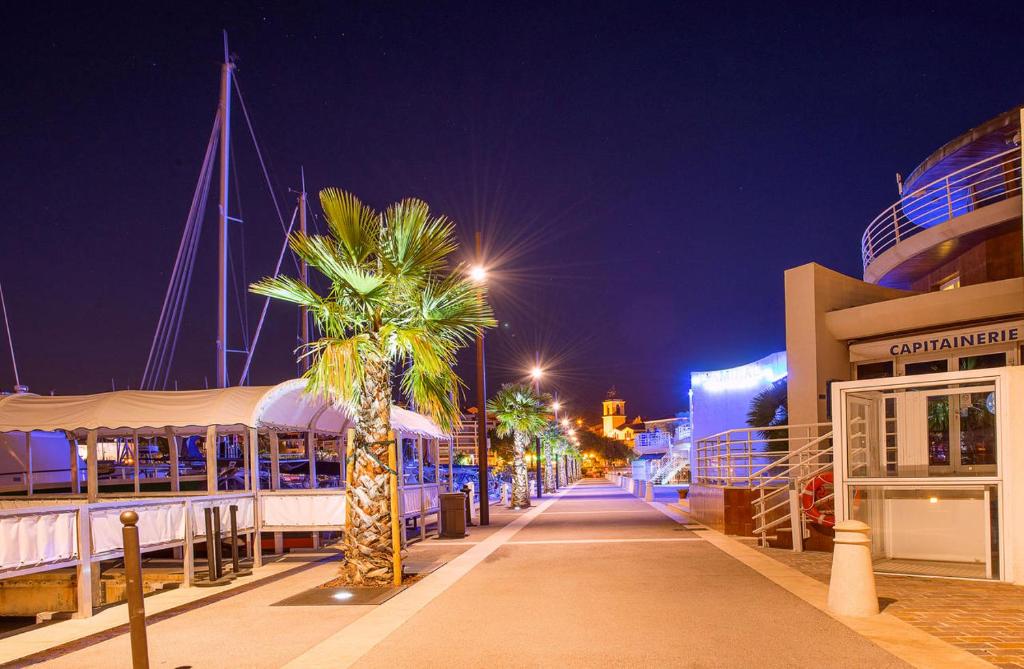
[(173, 453), (28, 462), (396, 522), (83, 571), (136, 453), (133, 589), (350, 441), (92, 482), (76, 474), (211, 459), (451, 465)]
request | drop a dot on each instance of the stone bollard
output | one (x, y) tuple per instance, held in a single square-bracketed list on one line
[(649, 492), (504, 494), (851, 589)]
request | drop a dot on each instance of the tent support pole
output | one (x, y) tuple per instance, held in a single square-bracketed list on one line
[(173, 453), (211, 459), (92, 483), (136, 454)]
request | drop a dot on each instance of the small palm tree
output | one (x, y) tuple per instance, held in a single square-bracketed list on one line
[(392, 302), (521, 413), (553, 442)]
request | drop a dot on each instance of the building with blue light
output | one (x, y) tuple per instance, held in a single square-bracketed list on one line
[(900, 383)]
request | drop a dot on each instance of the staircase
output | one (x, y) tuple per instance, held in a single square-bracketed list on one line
[(670, 466), (778, 510)]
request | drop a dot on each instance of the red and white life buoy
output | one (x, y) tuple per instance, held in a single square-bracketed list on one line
[(814, 491)]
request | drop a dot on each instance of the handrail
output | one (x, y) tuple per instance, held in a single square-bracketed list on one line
[(967, 189)]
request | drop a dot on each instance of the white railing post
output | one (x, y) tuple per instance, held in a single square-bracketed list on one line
[(83, 572), (796, 518)]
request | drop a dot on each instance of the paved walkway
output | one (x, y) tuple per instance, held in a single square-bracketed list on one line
[(593, 577)]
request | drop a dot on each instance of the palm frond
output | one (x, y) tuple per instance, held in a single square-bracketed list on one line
[(353, 224), (336, 368), (415, 244), (325, 255), (287, 289), (434, 394), (518, 409)]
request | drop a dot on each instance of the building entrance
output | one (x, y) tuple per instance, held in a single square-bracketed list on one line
[(918, 460)]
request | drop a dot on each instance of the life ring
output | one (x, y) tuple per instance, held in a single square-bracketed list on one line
[(810, 495)]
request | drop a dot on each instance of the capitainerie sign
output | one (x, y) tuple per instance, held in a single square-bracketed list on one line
[(939, 342)]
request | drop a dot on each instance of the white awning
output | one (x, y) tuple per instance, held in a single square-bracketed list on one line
[(284, 407)]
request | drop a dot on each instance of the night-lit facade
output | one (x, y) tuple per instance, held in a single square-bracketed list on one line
[(909, 371)]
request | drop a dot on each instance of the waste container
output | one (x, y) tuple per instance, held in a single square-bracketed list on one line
[(453, 515)]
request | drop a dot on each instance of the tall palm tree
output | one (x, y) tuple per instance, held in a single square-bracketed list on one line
[(521, 413), (392, 302), (552, 441)]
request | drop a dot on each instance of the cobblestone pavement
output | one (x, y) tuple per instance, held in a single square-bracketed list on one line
[(984, 618)]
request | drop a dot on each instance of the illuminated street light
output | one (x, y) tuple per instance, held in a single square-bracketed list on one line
[(536, 373), (478, 273), (556, 405), (565, 422)]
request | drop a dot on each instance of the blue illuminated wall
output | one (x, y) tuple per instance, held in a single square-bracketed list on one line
[(720, 400)]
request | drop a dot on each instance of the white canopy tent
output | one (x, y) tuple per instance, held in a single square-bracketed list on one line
[(257, 421), (284, 407)]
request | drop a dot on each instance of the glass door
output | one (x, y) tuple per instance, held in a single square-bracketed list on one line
[(953, 431)]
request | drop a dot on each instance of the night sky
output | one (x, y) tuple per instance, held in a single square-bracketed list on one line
[(642, 173)]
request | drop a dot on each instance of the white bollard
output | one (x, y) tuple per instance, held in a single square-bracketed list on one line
[(851, 589), (471, 501), (649, 492), (504, 494)]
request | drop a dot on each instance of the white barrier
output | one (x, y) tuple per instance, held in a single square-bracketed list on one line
[(32, 538), (159, 524), (302, 509)]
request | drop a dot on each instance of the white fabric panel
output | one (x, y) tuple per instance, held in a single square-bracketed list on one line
[(158, 524), (411, 499), (313, 510), (26, 541), (244, 514)]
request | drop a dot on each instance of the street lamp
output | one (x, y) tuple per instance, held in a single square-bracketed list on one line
[(536, 372), (478, 274)]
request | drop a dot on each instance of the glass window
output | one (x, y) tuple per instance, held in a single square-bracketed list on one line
[(926, 367), (982, 361), (874, 370), (934, 531), (945, 431)]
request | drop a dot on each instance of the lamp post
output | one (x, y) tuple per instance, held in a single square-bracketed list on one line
[(535, 374), (555, 406), (479, 275)]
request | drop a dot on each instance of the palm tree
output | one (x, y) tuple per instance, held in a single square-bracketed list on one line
[(521, 413), (392, 302), (552, 441)]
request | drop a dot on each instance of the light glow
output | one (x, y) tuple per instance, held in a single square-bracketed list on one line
[(556, 406), (536, 372), (478, 273), (343, 595), (761, 373), (565, 422)]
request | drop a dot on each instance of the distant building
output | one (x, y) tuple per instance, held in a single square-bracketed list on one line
[(465, 438), (613, 415)]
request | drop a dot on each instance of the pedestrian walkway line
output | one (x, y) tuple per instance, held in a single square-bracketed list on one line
[(890, 633), (636, 540), (554, 513), (360, 636)]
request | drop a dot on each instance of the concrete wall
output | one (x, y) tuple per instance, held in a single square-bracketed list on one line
[(815, 356)]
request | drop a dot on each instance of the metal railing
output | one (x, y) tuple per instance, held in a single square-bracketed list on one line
[(779, 487), (968, 189), (735, 457)]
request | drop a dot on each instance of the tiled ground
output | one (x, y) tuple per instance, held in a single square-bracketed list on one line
[(986, 619)]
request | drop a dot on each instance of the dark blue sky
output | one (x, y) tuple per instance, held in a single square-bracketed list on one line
[(646, 171)]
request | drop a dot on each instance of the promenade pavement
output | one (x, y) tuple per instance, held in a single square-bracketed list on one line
[(592, 577)]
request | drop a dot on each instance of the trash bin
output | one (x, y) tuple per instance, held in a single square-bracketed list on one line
[(453, 515)]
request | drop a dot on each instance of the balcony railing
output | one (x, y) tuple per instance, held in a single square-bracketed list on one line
[(970, 188)]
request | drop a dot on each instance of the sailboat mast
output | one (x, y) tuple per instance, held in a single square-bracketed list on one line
[(304, 277), (222, 219)]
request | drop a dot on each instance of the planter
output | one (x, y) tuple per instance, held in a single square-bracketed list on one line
[(683, 492)]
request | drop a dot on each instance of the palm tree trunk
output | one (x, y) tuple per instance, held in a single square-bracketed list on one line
[(520, 481), (549, 470), (368, 547)]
